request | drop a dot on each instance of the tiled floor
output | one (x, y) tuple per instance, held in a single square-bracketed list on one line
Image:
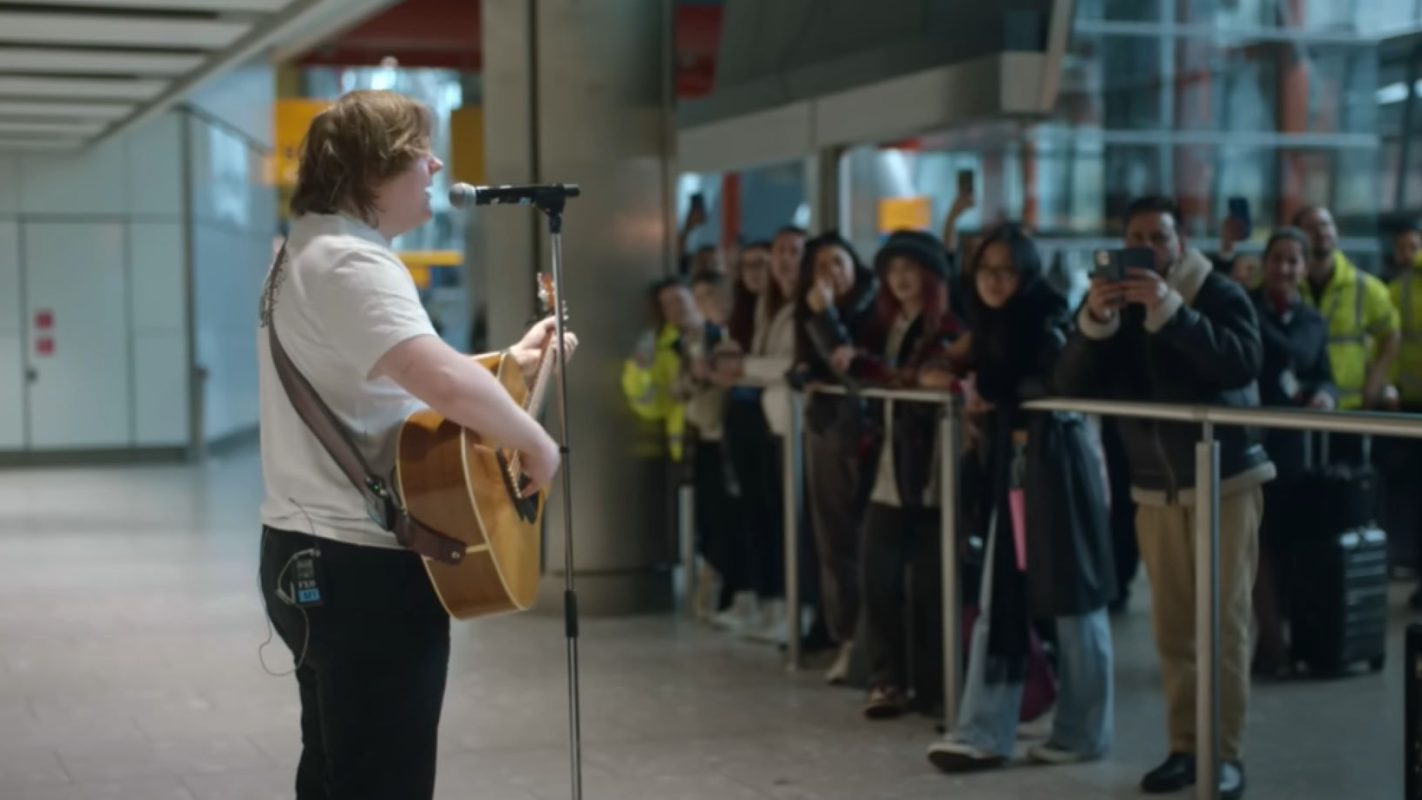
[(130, 621)]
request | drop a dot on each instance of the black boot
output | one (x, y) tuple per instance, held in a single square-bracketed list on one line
[(1178, 772)]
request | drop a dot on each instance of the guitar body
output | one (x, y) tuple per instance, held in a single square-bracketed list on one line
[(451, 481)]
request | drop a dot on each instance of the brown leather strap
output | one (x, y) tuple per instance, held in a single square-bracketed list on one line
[(381, 503)]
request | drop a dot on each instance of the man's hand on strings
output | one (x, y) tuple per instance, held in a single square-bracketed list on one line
[(530, 347)]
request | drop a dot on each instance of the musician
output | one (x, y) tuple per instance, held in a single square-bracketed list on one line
[(372, 652)]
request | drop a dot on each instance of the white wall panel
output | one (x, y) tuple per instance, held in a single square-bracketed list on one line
[(12, 392), (91, 181), (229, 268), (9, 277), (81, 396), (158, 299), (12, 357), (160, 374), (155, 158), (242, 98), (9, 183)]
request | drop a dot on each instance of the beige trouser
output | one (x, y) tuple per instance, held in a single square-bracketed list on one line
[(1167, 541)]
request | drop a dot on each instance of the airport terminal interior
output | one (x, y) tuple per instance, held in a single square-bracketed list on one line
[(738, 633)]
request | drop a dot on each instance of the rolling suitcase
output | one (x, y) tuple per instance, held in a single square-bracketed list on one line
[(1339, 574)]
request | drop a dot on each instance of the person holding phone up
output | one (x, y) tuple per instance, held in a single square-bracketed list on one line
[(1175, 330)]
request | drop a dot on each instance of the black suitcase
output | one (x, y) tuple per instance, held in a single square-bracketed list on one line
[(1339, 609)]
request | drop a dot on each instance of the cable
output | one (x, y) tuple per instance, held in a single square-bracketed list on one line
[(286, 598)]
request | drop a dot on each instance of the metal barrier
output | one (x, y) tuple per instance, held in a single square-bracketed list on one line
[(1207, 539)]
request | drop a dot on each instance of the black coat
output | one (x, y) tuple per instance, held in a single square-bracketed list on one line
[(1295, 344), (1208, 353), (817, 336), (914, 436), (1070, 563)]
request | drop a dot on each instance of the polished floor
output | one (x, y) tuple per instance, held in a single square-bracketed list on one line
[(129, 632)]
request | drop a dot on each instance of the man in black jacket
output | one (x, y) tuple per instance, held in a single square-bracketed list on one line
[(1182, 333)]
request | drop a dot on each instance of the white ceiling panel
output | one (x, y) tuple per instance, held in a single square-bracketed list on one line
[(96, 88), (104, 29), (72, 127), (255, 6), (90, 62), (76, 72), (42, 110)]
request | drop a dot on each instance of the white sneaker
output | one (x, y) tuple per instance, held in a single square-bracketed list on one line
[(1039, 728), (838, 673), (743, 613), (772, 626), (1051, 754), (953, 756)]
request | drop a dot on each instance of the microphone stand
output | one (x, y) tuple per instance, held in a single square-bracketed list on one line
[(552, 207)]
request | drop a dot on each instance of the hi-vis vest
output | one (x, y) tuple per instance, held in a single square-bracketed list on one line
[(650, 392), (1407, 370), (1358, 310)]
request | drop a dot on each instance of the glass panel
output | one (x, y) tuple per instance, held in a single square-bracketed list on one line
[(1120, 10)]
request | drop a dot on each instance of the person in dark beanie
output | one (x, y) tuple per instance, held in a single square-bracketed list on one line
[(836, 298), (907, 345)]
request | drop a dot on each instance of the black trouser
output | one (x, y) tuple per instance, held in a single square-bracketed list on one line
[(1123, 508), (901, 547), (372, 680), (756, 458), (832, 492), (720, 530)]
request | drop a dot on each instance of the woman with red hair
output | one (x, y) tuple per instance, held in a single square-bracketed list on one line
[(908, 345)]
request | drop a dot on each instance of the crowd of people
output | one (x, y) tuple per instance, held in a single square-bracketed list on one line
[(1300, 326)]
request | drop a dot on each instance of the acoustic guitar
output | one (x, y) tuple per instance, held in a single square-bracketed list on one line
[(454, 482)]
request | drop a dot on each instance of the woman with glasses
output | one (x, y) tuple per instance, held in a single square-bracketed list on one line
[(1048, 551)]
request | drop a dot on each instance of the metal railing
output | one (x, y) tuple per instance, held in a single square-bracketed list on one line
[(1207, 520)]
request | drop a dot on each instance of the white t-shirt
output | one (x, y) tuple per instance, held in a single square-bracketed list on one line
[(342, 301)]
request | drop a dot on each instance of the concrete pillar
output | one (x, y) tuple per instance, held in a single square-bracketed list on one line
[(578, 92)]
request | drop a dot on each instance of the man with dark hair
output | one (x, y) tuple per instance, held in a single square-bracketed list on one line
[(1181, 333), (1406, 247), (1363, 326)]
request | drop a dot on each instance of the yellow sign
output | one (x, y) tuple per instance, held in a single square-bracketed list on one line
[(905, 213), (466, 145), (420, 262), (291, 118)]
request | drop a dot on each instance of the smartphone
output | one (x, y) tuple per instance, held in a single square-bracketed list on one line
[(966, 179), (1115, 265), (1239, 210)]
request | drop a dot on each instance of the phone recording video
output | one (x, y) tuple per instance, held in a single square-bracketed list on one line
[(1114, 266)]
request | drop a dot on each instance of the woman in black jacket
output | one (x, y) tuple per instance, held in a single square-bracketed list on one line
[(1018, 325), (1296, 373), (836, 299), (907, 345)]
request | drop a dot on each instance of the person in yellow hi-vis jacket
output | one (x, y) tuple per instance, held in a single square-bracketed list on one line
[(1402, 458), (1407, 298), (649, 377), (1363, 326)]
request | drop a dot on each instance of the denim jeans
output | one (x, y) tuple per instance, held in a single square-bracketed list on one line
[(1084, 723)]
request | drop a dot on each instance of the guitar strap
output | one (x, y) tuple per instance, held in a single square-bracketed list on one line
[(381, 503)]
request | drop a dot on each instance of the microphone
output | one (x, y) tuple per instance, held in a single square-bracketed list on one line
[(462, 195)]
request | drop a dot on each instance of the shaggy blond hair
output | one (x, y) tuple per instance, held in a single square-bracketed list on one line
[(366, 138)]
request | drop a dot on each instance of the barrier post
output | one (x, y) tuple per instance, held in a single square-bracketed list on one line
[(949, 437), (1207, 615), (793, 458)]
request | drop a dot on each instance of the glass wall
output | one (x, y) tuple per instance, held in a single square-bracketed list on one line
[(1283, 102)]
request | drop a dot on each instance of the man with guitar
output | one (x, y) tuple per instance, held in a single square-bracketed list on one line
[(369, 635)]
